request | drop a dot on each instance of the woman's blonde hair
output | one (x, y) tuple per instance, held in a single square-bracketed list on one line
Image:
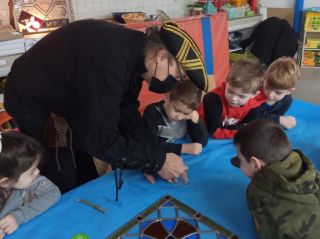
[(155, 43)]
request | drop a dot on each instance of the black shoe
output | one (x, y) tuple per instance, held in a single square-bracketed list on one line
[(235, 161)]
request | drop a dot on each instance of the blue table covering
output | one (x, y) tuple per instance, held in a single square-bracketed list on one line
[(215, 188)]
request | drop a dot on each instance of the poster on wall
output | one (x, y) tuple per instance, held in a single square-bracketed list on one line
[(35, 16)]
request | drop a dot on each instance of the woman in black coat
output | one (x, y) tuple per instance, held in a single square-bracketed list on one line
[(90, 72)]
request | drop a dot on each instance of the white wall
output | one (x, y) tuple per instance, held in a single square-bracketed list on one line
[(102, 8), (289, 3), (278, 3), (4, 12), (311, 3)]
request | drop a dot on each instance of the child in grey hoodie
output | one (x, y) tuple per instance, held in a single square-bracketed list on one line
[(24, 194)]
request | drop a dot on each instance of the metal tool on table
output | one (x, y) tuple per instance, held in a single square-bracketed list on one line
[(92, 205)]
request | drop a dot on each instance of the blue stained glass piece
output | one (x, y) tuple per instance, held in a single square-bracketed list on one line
[(144, 237), (203, 227), (168, 204), (152, 216), (193, 236), (169, 225), (144, 224), (221, 236), (134, 230), (182, 214), (210, 235), (131, 237), (192, 222), (168, 212)]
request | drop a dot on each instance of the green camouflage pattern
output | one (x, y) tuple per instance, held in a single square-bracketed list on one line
[(284, 199)]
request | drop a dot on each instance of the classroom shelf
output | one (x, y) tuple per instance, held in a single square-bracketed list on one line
[(310, 53), (243, 23)]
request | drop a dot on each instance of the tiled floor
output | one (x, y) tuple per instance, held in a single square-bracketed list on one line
[(308, 86)]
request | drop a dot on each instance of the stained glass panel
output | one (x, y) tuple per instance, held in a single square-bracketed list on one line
[(168, 218), (53, 14)]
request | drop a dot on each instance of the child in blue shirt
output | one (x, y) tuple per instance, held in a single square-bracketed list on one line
[(280, 79)]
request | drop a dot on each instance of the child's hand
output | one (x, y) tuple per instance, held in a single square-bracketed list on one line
[(193, 148), (151, 179), (8, 224), (194, 117), (288, 121)]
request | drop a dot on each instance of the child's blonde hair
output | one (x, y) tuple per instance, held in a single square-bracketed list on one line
[(282, 74), (246, 74), (187, 93)]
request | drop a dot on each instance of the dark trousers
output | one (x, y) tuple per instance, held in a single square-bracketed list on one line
[(68, 176), (31, 122), (30, 116)]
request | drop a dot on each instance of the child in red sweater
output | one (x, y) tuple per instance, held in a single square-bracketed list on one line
[(224, 108)]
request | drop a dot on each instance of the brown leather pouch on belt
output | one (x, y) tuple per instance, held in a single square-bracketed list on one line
[(57, 134)]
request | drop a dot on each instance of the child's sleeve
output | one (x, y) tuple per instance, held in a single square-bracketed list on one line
[(264, 223), (212, 107), (152, 118), (262, 112), (43, 195), (282, 106), (259, 206), (198, 132)]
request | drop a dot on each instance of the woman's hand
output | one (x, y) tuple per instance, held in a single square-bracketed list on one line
[(173, 168), (192, 148)]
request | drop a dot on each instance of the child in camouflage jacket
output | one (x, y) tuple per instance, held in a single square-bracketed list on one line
[(284, 194)]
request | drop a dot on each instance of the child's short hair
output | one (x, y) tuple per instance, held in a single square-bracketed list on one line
[(263, 139), (187, 93), (19, 152), (282, 74), (246, 74)]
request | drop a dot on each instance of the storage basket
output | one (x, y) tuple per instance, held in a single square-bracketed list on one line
[(217, 3), (235, 12), (312, 22), (134, 17), (238, 3)]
